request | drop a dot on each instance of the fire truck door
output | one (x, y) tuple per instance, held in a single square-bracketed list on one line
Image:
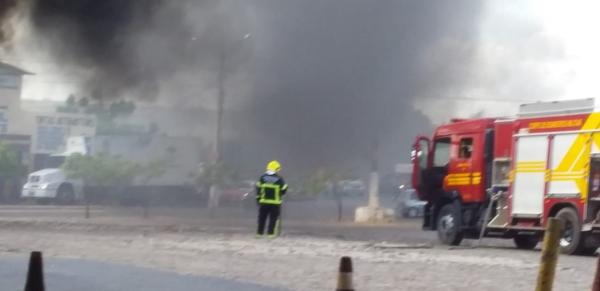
[(463, 168), (594, 188), (594, 182), (529, 180)]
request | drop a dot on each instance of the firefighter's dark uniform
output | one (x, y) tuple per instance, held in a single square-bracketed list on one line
[(269, 189)]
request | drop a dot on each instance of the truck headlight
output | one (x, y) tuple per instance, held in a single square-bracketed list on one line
[(44, 186)]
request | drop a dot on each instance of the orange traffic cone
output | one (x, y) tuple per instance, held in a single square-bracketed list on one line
[(35, 274)]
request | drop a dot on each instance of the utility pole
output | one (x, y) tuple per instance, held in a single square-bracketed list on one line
[(213, 192), (374, 176), (373, 212), (220, 102), (213, 201)]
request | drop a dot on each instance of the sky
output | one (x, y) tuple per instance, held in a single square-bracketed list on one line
[(528, 51)]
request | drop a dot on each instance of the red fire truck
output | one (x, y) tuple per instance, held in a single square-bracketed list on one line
[(502, 177)]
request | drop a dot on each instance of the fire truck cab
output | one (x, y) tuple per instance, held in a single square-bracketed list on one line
[(504, 177)]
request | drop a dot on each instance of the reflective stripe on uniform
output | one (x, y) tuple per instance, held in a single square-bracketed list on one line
[(276, 188)]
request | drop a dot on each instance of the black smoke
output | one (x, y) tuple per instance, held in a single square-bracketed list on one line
[(333, 76), (130, 45), (7, 11), (329, 77)]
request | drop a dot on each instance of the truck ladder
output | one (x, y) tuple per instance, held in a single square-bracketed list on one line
[(493, 197)]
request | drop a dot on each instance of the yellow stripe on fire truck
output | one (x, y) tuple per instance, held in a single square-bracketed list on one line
[(461, 179), (531, 167)]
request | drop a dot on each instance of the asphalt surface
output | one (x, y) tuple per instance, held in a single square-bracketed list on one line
[(76, 275), (309, 218)]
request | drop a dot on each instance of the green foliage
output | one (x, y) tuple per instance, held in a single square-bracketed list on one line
[(213, 174), (152, 170), (10, 166), (83, 102), (106, 126), (101, 170), (317, 182), (71, 101), (96, 106), (121, 108), (104, 170)]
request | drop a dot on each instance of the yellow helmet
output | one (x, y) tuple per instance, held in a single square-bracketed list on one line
[(274, 166)]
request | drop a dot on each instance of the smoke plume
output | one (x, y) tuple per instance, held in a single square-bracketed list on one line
[(328, 78), (333, 76)]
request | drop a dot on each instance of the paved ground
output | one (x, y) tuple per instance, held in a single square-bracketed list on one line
[(189, 241), (78, 274), (314, 217)]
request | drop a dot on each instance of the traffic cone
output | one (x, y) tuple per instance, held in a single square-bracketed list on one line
[(35, 274), (344, 282)]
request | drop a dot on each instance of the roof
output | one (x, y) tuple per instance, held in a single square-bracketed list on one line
[(465, 126), (46, 172), (10, 69)]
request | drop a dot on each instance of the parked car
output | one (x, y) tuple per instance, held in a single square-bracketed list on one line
[(352, 188), (409, 205)]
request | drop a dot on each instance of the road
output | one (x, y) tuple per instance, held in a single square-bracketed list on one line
[(311, 217), (77, 274), (189, 241)]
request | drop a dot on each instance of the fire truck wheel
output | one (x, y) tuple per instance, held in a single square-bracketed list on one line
[(526, 242), (449, 231), (571, 238)]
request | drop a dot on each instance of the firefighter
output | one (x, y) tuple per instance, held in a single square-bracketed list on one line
[(270, 188)]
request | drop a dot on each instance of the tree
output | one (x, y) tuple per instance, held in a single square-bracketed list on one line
[(10, 166), (71, 102), (83, 102), (11, 170), (121, 108), (70, 105), (101, 170), (322, 180), (213, 174), (152, 170)]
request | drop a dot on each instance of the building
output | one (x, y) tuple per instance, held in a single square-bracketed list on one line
[(14, 123), (36, 130), (34, 135)]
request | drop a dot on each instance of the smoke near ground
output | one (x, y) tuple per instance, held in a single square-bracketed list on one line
[(320, 81)]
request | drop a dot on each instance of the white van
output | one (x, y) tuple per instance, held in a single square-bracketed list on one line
[(51, 184)]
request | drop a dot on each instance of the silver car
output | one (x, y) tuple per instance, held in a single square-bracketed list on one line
[(409, 205)]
